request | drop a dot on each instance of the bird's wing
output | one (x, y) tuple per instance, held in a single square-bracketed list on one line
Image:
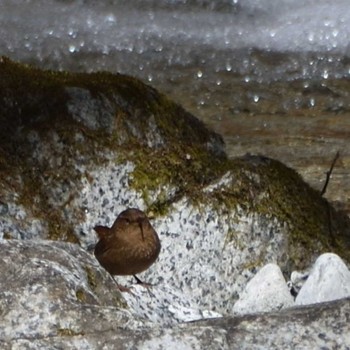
[(102, 247), (102, 231)]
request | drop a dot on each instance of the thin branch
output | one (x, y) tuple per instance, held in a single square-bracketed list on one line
[(329, 173)]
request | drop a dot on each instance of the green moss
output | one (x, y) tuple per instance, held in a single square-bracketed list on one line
[(90, 274), (288, 198), (270, 189), (183, 170), (116, 298), (35, 195), (259, 185), (81, 295), (7, 236)]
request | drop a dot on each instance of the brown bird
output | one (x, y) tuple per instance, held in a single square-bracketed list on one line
[(130, 246)]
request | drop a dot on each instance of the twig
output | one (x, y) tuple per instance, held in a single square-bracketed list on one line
[(329, 173)]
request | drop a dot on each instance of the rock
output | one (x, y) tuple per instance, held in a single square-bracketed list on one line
[(56, 289), (55, 295), (297, 280), (57, 128), (321, 326), (203, 270), (329, 280), (266, 291)]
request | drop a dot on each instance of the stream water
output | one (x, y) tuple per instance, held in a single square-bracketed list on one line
[(270, 76)]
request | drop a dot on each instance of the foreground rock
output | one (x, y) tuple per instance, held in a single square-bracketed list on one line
[(318, 326), (55, 289), (54, 294), (77, 149)]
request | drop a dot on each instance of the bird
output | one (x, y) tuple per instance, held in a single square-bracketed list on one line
[(130, 246)]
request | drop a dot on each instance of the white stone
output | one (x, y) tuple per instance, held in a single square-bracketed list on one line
[(328, 280), (266, 291), (297, 280)]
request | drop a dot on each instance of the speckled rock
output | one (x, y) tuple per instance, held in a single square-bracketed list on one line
[(51, 289), (329, 279), (266, 291)]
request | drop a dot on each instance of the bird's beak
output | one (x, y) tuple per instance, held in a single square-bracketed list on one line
[(141, 228)]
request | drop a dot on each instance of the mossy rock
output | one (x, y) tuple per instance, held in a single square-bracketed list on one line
[(32, 98), (139, 121), (130, 121)]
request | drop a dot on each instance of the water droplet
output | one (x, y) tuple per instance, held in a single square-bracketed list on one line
[(90, 23), (228, 67), (111, 18), (256, 98), (72, 33), (105, 50), (72, 48), (199, 74), (159, 48), (218, 82)]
